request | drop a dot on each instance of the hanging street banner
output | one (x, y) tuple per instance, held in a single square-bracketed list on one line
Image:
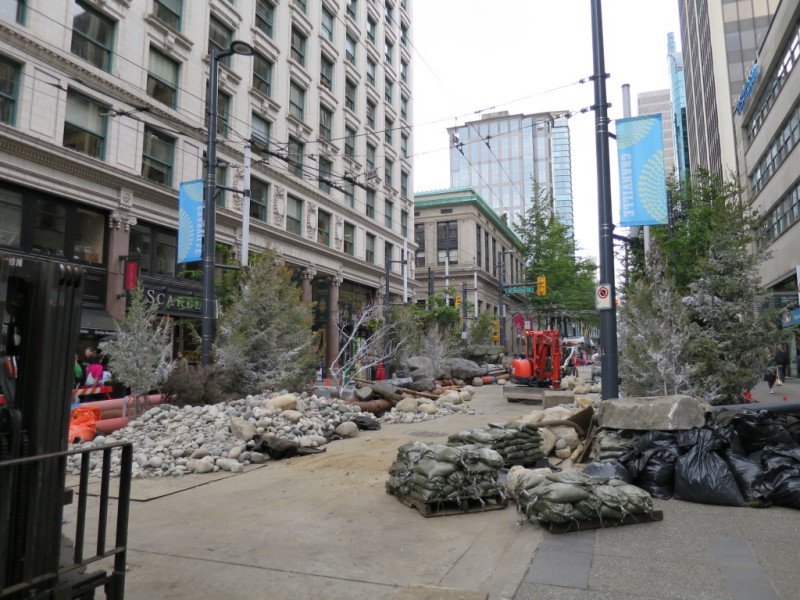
[(792, 318), (190, 221), (642, 177)]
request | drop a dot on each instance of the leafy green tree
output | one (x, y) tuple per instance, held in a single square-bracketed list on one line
[(550, 251), (701, 300), (480, 331), (140, 352), (264, 336)]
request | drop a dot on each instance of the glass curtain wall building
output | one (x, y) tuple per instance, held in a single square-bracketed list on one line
[(501, 154)]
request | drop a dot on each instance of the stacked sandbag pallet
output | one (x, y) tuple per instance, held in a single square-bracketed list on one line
[(437, 473), (609, 445), (571, 496), (518, 443)]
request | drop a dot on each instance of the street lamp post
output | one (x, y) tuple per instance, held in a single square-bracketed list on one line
[(208, 324), (608, 317)]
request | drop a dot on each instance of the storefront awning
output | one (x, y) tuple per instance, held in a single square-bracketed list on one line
[(97, 322)]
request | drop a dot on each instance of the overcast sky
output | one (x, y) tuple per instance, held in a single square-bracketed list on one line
[(525, 56)]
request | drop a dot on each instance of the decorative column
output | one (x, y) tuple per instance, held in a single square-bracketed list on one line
[(120, 221), (332, 347), (305, 282)]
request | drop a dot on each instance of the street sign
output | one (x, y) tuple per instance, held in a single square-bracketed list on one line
[(602, 297), (523, 289)]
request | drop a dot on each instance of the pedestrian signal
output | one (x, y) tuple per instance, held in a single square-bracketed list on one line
[(541, 286)]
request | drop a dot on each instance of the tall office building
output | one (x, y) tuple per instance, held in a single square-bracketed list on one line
[(102, 114), (720, 39), (500, 155), (678, 101), (659, 103)]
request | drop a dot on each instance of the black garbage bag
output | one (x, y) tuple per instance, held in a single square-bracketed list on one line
[(746, 472), (729, 434), (757, 430), (792, 425), (657, 439), (701, 474), (654, 471), (277, 448), (780, 479), (364, 422), (611, 469)]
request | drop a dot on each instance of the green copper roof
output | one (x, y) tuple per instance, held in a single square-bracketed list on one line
[(467, 195)]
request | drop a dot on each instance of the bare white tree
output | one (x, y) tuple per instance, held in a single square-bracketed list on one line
[(358, 354)]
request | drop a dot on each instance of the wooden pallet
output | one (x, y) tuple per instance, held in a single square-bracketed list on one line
[(444, 508), (656, 515)]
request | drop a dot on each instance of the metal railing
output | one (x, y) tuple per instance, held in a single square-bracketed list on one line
[(67, 578)]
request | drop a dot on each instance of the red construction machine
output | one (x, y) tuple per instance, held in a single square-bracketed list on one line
[(540, 367)]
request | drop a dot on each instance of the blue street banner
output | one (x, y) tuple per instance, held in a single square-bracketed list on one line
[(190, 221), (791, 318), (642, 177)]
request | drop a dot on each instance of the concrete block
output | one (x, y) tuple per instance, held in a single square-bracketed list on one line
[(647, 413), (555, 397)]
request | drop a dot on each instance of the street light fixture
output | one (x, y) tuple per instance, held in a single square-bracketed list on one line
[(208, 324)]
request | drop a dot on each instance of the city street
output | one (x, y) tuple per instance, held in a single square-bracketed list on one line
[(322, 526)]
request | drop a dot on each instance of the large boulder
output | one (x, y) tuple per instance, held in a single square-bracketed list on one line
[(420, 367), (646, 413), (424, 384), (461, 368), (482, 353)]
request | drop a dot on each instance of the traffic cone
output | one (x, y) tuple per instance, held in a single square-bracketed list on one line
[(785, 399), (328, 382)]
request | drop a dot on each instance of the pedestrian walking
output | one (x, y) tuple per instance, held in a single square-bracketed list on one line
[(180, 361), (772, 371), (782, 362)]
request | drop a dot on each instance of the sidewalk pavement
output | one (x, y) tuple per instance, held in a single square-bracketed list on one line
[(788, 392), (323, 527)]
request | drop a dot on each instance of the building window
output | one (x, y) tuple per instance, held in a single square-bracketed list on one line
[(298, 47), (350, 195), (295, 158), (404, 35), (157, 156), (404, 71), (370, 158), (349, 142), (325, 170), (260, 133), (350, 91), (157, 250), (369, 250), (294, 215), (350, 49), (219, 39), (300, 4), (371, 67), (327, 23), (259, 200), (404, 184), (447, 241), (265, 16), (162, 78), (404, 108), (92, 36), (371, 204), (389, 11), (404, 223), (297, 101), (262, 75), (9, 83), (388, 213), (325, 123), (13, 10), (85, 125), (419, 240), (372, 27), (388, 91), (223, 110), (10, 218), (404, 145), (349, 239), (351, 8), (222, 179), (371, 114), (388, 131), (388, 51), (389, 172), (388, 254), (326, 72), (168, 12), (478, 254), (324, 228)]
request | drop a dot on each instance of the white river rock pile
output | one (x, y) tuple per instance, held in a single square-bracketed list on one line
[(170, 440)]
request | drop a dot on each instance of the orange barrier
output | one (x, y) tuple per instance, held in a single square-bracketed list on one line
[(88, 390)]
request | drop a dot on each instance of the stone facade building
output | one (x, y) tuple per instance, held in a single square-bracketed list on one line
[(102, 116)]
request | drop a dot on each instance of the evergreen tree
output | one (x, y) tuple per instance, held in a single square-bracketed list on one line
[(718, 326), (550, 251), (139, 354), (264, 337)]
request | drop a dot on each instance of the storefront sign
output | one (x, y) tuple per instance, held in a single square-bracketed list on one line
[(171, 301)]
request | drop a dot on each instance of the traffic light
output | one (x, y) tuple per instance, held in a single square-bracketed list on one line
[(458, 300), (541, 286), (496, 331)]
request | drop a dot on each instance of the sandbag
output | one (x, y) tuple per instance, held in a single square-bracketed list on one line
[(701, 474)]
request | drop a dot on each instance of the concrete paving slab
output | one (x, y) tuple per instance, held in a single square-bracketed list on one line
[(438, 593), (532, 591), (779, 556), (748, 583)]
